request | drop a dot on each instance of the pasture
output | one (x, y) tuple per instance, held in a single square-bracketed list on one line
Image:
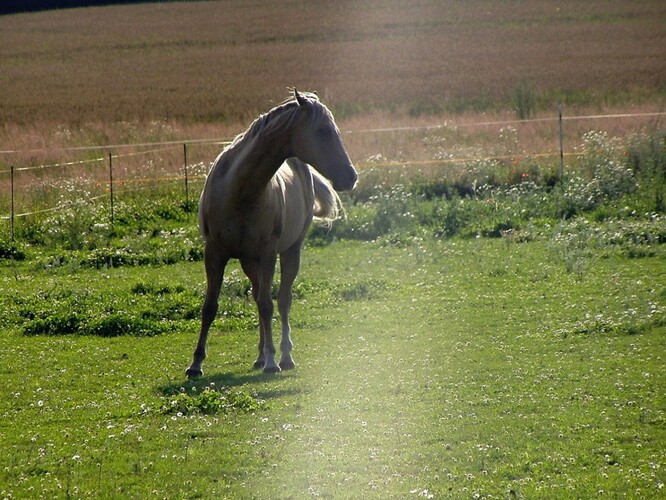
[(473, 329), (506, 343), (439, 368)]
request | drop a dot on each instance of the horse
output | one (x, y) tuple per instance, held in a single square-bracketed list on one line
[(258, 201)]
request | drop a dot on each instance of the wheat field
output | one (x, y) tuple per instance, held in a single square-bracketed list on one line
[(226, 61)]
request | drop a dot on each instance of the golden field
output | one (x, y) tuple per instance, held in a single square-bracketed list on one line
[(177, 71), (226, 61)]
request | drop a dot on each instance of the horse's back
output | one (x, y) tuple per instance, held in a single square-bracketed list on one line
[(215, 197)]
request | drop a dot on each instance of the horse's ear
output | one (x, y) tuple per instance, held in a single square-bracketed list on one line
[(300, 99)]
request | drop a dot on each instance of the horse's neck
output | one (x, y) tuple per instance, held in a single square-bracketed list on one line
[(258, 162)]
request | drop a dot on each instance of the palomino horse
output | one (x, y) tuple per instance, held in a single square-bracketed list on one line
[(258, 202)]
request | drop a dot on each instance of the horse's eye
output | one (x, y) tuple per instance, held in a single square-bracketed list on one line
[(324, 132)]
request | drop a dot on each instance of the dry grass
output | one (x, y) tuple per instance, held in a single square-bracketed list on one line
[(428, 152), (194, 70), (212, 62)]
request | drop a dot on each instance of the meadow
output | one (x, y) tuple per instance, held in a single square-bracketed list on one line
[(476, 327), (441, 368), (505, 341)]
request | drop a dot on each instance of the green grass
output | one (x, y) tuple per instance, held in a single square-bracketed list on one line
[(444, 367), (485, 333)]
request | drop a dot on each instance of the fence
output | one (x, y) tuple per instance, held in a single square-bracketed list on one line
[(104, 172), (107, 172)]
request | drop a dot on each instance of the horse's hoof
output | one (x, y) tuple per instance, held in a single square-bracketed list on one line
[(272, 369), (193, 372), (258, 365), (287, 365)]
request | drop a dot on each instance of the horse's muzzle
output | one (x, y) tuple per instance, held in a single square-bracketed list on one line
[(348, 181)]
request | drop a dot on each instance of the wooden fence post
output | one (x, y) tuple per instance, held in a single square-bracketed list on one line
[(111, 185), (187, 195), (559, 109), (11, 217)]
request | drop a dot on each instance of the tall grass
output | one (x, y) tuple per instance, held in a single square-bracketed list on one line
[(524, 100), (492, 199), (612, 179)]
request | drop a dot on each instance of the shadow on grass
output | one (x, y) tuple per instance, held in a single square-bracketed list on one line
[(233, 380)]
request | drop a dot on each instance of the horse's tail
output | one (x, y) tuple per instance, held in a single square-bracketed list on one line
[(327, 206)]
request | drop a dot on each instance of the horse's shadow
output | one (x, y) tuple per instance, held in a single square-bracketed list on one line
[(265, 391)]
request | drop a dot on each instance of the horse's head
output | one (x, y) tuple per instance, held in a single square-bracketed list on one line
[(316, 140)]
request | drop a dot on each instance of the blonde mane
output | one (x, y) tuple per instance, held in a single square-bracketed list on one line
[(279, 118)]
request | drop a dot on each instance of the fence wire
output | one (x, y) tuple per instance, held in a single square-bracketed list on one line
[(160, 147)]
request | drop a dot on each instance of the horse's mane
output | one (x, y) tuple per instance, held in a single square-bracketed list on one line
[(278, 118)]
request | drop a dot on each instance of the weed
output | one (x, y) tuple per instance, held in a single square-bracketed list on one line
[(147, 310), (56, 324), (11, 250), (601, 325), (425, 107), (210, 401), (646, 156), (524, 99), (364, 290), (117, 324)]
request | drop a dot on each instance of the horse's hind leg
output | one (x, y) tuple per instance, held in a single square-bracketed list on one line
[(261, 274), (215, 264), (251, 269), (290, 262)]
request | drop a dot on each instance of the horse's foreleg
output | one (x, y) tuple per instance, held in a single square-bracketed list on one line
[(290, 262), (261, 276), (265, 307), (215, 264)]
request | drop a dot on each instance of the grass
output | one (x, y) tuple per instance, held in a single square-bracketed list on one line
[(482, 334), (477, 366)]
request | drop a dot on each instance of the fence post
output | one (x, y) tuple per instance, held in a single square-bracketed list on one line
[(11, 218), (559, 110), (111, 185), (187, 195)]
